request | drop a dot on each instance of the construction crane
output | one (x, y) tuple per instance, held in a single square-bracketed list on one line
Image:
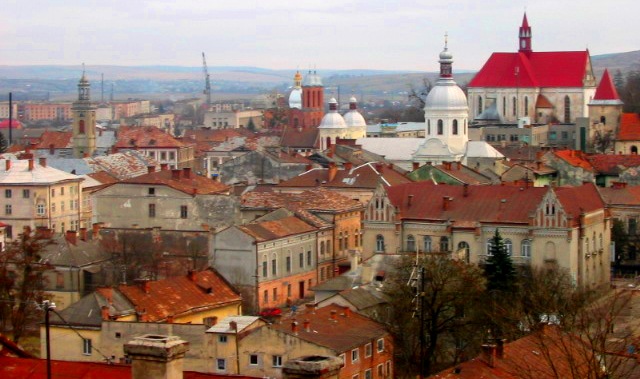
[(207, 81)]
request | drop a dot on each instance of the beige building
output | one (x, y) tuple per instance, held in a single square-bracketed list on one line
[(567, 226), (4, 109), (165, 122), (233, 119), (37, 196)]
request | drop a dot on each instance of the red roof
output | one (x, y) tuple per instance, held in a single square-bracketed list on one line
[(316, 200), (182, 180), (130, 137), (629, 127), (575, 158), (59, 140), (543, 102), (181, 295), (613, 164), (606, 90), (270, 230), (535, 69)]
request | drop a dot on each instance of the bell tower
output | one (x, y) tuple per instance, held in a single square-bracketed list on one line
[(525, 36), (84, 120)]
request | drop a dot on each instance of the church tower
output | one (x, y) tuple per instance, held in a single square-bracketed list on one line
[(525, 36), (84, 121), (605, 111)]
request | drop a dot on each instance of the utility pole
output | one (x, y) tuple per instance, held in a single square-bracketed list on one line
[(423, 341), (48, 306), (10, 117)]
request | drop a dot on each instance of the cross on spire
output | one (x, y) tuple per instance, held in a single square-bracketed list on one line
[(446, 40)]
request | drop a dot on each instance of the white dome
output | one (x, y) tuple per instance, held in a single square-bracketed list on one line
[(445, 95), (354, 118), (333, 119), (295, 98), (312, 79)]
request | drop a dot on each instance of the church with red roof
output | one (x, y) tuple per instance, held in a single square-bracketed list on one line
[(539, 87)]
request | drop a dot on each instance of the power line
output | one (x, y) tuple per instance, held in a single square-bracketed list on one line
[(107, 359)]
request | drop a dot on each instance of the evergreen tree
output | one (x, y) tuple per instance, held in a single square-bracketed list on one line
[(498, 269), (3, 143)]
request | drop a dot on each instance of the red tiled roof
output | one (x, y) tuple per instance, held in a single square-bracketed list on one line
[(613, 164), (463, 173), (103, 177), (578, 199), (535, 69), (270, 230), (621, 196), (179, 296), (36, 369), (59, 140), (130, 137), (575, 158), (210, 135), (629, 127), (348, 331), (365, 176), (606, 90), (303, 137), (317, 200), (176, 179)]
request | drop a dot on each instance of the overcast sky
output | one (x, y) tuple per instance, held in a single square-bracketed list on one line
[(283, 34)]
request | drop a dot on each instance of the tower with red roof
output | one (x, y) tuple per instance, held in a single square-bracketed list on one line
[(605, 110), (517, 83)]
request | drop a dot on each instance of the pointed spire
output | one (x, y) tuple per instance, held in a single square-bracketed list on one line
[(525, 22), (606, 89), (524, 36)]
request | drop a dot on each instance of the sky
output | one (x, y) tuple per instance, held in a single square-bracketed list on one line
[(326, 34)]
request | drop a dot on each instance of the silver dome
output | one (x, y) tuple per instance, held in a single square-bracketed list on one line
[(354, 118), (295, 98), (445, 95)]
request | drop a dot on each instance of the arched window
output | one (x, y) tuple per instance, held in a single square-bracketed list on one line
[(603, 120), (504, 105), (526, 105), (567, 109), (440, 128), (508, 246), (428, 127), (274, 265), (81, 126), (328, 247), (525, 249), (321, 247), (444, 244), (379, 243), (479, 104), (426, 244), (464, 248), (455, 127), (601, 246), (340, 245), (514, 105), (411, 243), (634, 149), (586, 245)]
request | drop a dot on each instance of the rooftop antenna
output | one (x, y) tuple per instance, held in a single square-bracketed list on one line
[(102, 88)]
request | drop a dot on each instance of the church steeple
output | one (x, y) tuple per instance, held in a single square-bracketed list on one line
[(84, 120), (446, 60), (525, 36)]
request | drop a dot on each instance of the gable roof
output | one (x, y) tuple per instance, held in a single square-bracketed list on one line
[(629, 127), (575, 158), (367, 175), (178, 296), (535, 69), (300, 137), (346, 331), (55, 139), (130, 137), (274, 229), (181, 180), (613, 164)]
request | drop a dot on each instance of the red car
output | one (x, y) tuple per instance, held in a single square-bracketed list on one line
[(270, 312)]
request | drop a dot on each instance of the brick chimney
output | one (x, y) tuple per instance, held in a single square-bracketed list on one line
[(379, 167), (164, 166), (104, 312), (310, 308), (70, 236), (186, 172), (465, 190), (348, 165), (312, 367), (415, 165), (306, 324), (332, 172), (7, 163), (42, 161), (488, 354), (409, 200), (334, 315), (30, 164), (156, 356), (151, 169), (95, 229), (294, 327), (192, 275), (175, 174), (83, 234)]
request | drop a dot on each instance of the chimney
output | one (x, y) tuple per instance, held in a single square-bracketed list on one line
[(95, 230), (445, 203), (538, 165), (415, 165), (465, 190), (192, 275), (70, 235), (501, 349), (83, 234), (164, 166), (333, 315), (85, 155), (333, 170), (458, 165), (347, 312), (151, 169), (488, 354), (312, 367), (306, 325), (379, 167), (7, 163), (104, 312), (294, 327), (186, 172), (308, 167), (233, 326), (409, 198), (52, 149), (175, 174), (169, 319), (30, 164), (156, 356), (310, 308), (144, 284), (348, 165)]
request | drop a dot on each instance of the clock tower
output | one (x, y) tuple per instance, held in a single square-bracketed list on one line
[(84, 121)]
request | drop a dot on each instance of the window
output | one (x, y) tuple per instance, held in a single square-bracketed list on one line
[(322, 274), (321, 247), (379, 243), (62, 191), (81, 127), (301, 260), (26, 193), (274, 266), (59, 280), (53, 192), (504, 106), (489, 246), (253, 359), (8, 209), (514, 105), (479, 104), (355, 354), (221, 364), (526, 106), (222, 339), (7, 193), (152, 210), (508, 246), (455, 127), (444, 244), (553, 136), (309, 258), (340, 245), (288, 290), (277, 361), (411, 243), (163, 155), (367, 374), (118, 335), (464, 248), (62, 206), (184, 211), (567, 109), (264, 269), (152, 191), (380, 370), (380, 345), (172, 155), (265, 296), (525, 249), (368, 350), (288, 262), (275, 294), (440, 128), (86, 346), (426, 243)]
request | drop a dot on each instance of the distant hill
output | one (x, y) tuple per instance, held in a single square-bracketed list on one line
[(45, 81)]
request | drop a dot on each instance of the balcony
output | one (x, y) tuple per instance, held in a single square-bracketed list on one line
[(516, 259)]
